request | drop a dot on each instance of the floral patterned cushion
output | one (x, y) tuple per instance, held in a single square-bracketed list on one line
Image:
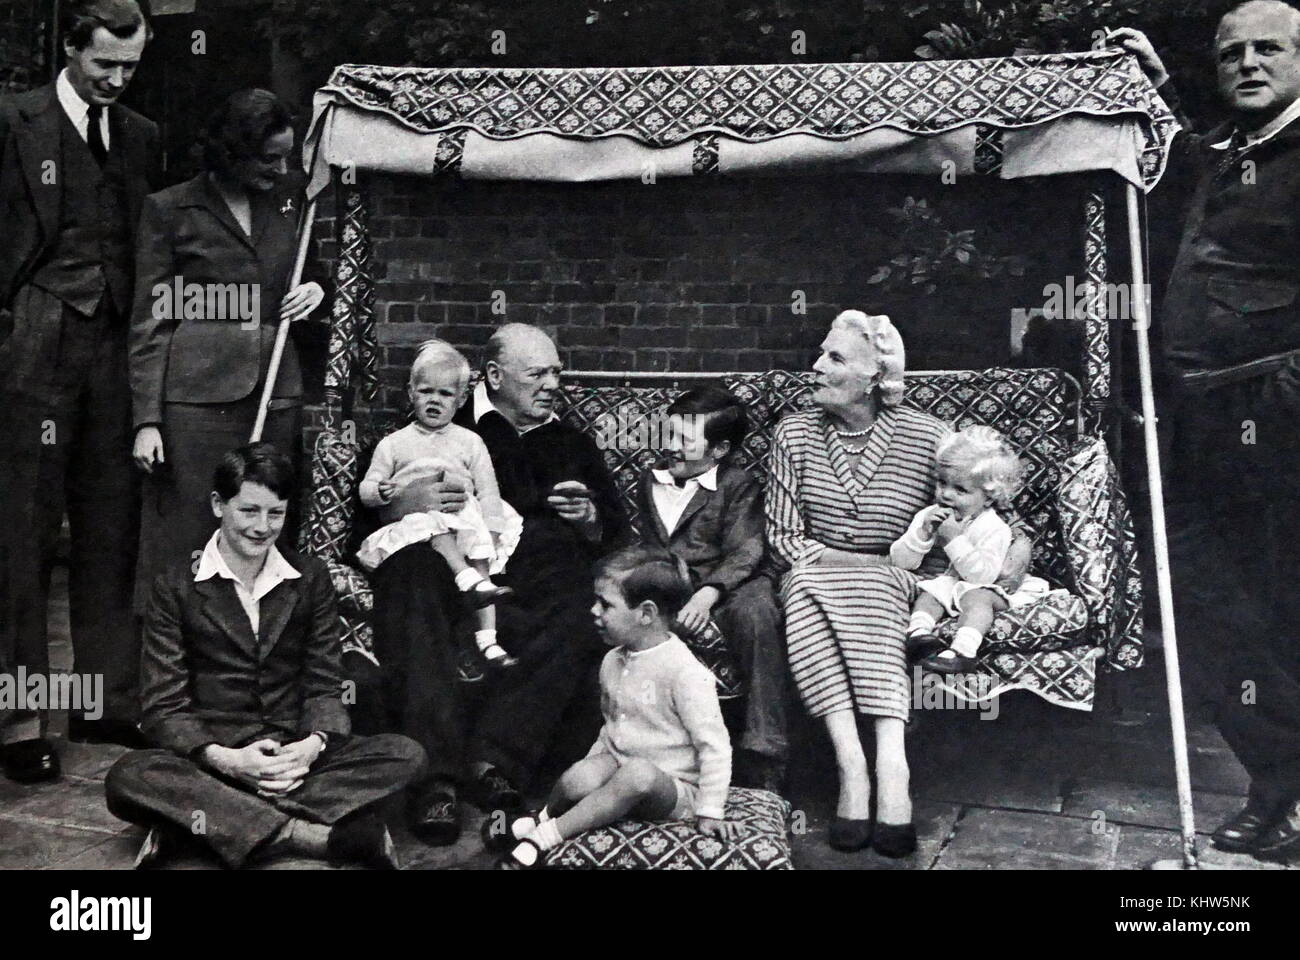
[(678, 845), (1055, 620)]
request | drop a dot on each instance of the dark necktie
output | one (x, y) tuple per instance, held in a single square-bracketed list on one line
[(95, 136), (1231, 162)]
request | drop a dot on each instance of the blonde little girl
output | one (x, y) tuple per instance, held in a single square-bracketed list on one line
[(978, 476), (477, 539)]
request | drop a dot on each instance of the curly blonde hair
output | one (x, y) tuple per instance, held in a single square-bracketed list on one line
[(991, 461), (885, 341)]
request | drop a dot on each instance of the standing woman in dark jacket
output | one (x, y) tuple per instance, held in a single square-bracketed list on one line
[(213, 265)]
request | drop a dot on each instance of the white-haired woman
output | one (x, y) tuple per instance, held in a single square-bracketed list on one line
[(474, 540), (846, 480)]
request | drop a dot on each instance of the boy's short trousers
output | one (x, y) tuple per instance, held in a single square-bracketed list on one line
[(687, 796)]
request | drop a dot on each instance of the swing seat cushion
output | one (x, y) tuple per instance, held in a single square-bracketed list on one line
[(678, 845)]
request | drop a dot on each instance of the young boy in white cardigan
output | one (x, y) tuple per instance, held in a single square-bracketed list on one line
[(663, 753)]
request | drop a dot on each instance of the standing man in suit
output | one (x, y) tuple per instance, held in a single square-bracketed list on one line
[(243, 695), (708, 512), (75, 167), (1231, 331)]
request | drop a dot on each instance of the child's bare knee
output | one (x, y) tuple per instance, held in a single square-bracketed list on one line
[(638, 777), (982, 601), (578, 781)]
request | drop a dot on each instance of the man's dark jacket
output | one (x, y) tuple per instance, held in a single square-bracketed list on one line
[(207, 679), (29, 195), (1232, 295)]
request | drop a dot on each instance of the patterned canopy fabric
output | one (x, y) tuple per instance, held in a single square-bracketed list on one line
[(1010, 117)]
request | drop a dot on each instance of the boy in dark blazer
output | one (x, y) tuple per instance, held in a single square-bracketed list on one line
[(243, 694), (709, 513)]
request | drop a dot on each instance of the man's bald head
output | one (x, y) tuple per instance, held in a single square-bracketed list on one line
[(512, 338), (1270, 8), (1257, 55), (522, 369)]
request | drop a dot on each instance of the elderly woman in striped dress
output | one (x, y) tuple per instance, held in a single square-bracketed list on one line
[(846, 480)]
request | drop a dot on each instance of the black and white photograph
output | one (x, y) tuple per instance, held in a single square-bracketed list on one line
[(645, 435)]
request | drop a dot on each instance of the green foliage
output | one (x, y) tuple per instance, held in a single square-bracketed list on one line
[(574, 33), (927, 255)]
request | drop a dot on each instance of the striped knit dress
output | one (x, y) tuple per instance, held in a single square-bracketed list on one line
[(845, 625)]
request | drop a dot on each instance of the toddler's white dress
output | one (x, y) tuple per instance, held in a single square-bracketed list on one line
[(416, 455)]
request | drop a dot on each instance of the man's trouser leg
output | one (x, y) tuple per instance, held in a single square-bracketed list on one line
[(751, 620), (1247, 462), (152, 787), (416, 616), (548, 626), (103, 518), (40, 373)]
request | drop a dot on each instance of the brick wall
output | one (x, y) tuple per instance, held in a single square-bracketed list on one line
[(673, 276)]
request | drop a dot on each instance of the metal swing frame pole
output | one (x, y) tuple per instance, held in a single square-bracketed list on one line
[(282, 333), (1155, 487)]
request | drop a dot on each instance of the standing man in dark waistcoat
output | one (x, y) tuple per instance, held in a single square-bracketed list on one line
[(75, 167), (1231, 331)]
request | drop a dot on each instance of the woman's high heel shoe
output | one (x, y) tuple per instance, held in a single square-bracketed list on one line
[(894, 840), (849, 836)]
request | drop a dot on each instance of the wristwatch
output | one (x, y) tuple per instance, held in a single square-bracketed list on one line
[(324, 738)]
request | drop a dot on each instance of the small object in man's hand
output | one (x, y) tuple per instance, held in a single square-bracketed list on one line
[(572, 489)]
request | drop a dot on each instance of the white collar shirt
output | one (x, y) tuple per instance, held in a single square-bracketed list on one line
[(670, 500), (78, 110), (1268, 131), (483, 404), (274, 572)]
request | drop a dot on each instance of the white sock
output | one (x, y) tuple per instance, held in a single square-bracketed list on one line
[(468, 579), (522, 827), (546, 835), (485, 638), (921, 622), (967, 642), (544, 814)]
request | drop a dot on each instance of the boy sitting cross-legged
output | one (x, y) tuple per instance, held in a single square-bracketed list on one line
[(663, 753)]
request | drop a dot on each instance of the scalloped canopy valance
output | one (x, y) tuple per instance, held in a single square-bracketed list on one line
[(1008, 117)]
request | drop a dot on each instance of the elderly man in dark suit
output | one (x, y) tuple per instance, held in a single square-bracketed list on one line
[(556, 477), (75, 167), (708, 512), (1231, 332), (243, 694)]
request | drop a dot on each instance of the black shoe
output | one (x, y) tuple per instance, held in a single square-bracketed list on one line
[(1242, 832), (1280, 842), (164, 842), (436, 821), (921, 645), (849, 836), (492, 791), (30, 761), (363, 840), (938, 663), (894, 840), (498, 658), (485, 598), (81, 730)]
